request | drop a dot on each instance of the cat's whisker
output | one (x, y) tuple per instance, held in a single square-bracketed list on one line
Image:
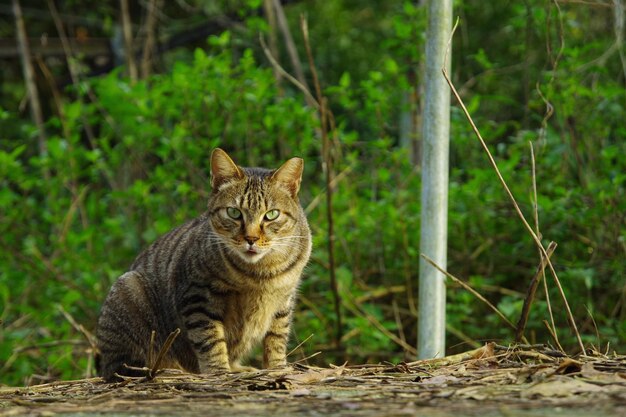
[(281, 251), (285, 250), (284, 244), (294, 241)]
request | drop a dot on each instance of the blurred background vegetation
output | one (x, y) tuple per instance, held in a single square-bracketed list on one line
[(120, 156)]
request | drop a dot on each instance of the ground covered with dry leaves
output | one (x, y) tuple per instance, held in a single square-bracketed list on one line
[(490, 381)]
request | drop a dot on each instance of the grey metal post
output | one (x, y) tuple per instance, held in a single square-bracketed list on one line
[(434, 216)]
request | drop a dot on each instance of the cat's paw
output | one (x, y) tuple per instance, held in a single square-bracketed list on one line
[(215, 369), (278, 365), (242, 368)]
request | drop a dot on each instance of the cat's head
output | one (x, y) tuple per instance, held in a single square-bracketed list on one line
[(255, 212)]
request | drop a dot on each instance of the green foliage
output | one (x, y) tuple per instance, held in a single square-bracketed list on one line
[(73, 220), (127, 162)]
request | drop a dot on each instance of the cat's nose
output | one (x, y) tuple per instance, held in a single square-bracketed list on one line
[(251, 239)]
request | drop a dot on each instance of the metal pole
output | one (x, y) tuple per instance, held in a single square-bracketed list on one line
[(434, 215)]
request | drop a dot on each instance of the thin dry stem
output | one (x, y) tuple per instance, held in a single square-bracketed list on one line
[(270, 16), (478, 353), (290, 45), (149, 44), (549, 107), (471, 290), (30, 82), (396, 315), (300, 344), (80, 328), (595, 325), (357, 310), (328, 162), (336, 179), (554, 336), (129, 50), (309, 97), (151, 357), (618, 27), (75, 77), (570, 317), (465, 339), (306, 358), (164, 349), (536, 217), (151, 371), (69, 218), (314, 308), (586, 3), (553, 332), (530, 295), (55, 343), (534, 180)]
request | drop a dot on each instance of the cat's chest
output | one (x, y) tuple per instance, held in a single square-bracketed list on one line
[(250, 315)]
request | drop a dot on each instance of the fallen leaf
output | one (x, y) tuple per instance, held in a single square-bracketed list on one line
[(568, 366), (300, 392), (587, 370), (439, 380), (314, 375), (473, 393), (560, 386), (487, 351), (462, 370)]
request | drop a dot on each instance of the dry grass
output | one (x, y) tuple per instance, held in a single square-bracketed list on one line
[(482, 381)]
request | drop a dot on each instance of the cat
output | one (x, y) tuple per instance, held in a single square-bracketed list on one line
[(227, 279)]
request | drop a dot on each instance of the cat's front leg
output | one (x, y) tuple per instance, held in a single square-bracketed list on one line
[(208, 339), (212, 353), (275, 341), (203, 315)]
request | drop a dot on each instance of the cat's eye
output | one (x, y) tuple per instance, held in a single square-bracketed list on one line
[(272, 214), (233, 213)]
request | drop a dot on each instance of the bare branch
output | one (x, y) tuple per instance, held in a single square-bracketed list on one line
[(29, 79), (129, 50)]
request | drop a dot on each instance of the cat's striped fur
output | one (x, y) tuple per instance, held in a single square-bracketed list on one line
[(227, 279)]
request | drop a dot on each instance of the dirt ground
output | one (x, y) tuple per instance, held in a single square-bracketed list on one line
[(490, 381)]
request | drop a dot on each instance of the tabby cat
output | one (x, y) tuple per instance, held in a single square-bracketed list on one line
[(227, 279)]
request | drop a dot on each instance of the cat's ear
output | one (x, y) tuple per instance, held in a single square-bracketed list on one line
[(289, 175), (223, 169)]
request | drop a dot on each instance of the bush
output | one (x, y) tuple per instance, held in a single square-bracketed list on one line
[(127, 162)]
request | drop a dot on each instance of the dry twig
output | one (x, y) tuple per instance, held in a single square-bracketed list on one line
[(162, 352), (302, 87), (329, 171), (129, 49), (299, 345), (471, 290), (570, 317), (290, 45), (530, 295), (358, 311), (149, 45), (536, 219), (29, 80)]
